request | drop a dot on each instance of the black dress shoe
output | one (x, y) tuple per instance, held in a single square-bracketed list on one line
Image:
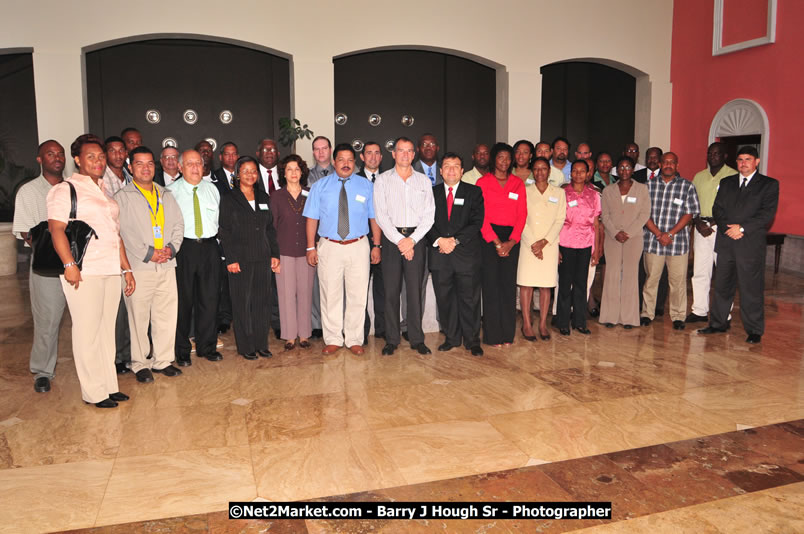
[(168, 371), (628, 326), (564, 331), (105, 403), (388, 349), (184, 362), (527, 337), (644, 321), (476, 351), (122, 368), (317, 333), (609, 325), (118, 397), (214, 357), (594, 312), (693, 318), (679, 325), (753, 338), (42, 384), (711, 330), (444, 347), (250, 355), (405, 335), (421, 348), (265, 353), (278, 333), (145, 376), (583, 330), (223, 328)]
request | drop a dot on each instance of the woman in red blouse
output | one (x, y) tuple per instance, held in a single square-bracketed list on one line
[(506, 210)]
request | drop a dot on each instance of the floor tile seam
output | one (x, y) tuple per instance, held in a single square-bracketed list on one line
[(105, 489)]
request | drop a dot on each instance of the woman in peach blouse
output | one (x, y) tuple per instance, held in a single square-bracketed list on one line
[(92, 290)]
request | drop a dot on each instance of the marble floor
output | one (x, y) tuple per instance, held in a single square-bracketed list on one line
[(531, 422)]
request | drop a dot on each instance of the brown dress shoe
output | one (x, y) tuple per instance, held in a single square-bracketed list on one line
[(329, 349), (356, 349)]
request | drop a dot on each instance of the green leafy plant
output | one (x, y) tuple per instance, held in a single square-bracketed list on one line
[(291, 130)]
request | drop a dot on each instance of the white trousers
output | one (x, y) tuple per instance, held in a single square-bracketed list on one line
[(703, 260)]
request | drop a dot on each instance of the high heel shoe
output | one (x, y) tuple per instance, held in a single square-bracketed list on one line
[(529, 338), (545, 337)]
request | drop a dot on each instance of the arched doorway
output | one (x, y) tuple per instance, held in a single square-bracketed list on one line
[(198, 87), (738, 123), (454, 98)]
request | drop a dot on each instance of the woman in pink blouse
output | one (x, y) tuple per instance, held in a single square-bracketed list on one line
[(576, 242), (92, 289), (506, 210)]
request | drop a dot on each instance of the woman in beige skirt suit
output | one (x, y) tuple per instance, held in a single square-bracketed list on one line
[(538, 261), (626, 209)]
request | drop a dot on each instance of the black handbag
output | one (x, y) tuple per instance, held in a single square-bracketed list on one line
[(45, 261)]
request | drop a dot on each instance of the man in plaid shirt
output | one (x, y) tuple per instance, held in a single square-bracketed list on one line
[(674, 203)]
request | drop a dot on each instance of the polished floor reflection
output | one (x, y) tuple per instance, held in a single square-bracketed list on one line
[(305, 426)]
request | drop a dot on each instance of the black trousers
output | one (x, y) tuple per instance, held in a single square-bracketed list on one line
[(747, 274), (122, 335), (499, 290), (224, 316), (395, 267), (251, 304), (573, 272), (198, 267), (458, 299), (378, 294)]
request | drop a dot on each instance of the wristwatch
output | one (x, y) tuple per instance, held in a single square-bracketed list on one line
[(742, 230), (457, 241), (376, 246)]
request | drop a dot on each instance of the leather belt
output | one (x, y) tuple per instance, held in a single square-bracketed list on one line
[(347, 242), (406, 231), (202, 240)]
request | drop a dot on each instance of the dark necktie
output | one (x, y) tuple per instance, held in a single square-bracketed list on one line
[(325, 172), (743, 185), (430, 175), (373, 177), (450, 200), (271, 186), (343, 212)]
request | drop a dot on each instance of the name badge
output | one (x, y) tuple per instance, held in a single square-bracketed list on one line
[(263, 207), (305, 193), (360, 198), (553, 200), (630, 200), (158, 232), (459, 201), (530, 181), (513, 196), (677, 201), (572, 203)]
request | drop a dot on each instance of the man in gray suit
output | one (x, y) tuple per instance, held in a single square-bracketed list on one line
[(427, 164)]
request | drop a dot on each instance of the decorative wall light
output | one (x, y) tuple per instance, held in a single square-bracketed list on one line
[(374, 119), (153, 116), (190, 116), (408, 120), (389, 145), (169, 141), (213, 142), (357, 144), (226, 116), (341, 118)]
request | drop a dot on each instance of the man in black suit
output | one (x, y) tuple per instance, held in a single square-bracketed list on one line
[(169, 170), (427, 164), (454, 256), (371, 156), (653, 162), (223, 178), (744, 209)]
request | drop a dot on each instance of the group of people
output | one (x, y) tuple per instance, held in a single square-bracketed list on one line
[(185, 250)]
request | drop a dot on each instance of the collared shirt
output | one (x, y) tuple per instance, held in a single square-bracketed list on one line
[(207, 177), (402, 203), (565, 171), (112, 184), (371, 176), (597, 180), (170, 179), (157, 214), (668, 203), (30, 206), (707, 185), (454, 189), (557, 176), (324, 199), (98, 211), (747, 179), (208, 197), (431, 171), (583, 209), (471, 177), (504, 206), (274, 177), (319, 172)]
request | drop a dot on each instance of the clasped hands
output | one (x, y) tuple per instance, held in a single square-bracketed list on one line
[(733, 231), (234, 268), (405, 246), (161, 255)]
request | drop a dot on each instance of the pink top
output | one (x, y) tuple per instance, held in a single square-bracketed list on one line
[(98, 211), (504, 206), (583, 209)]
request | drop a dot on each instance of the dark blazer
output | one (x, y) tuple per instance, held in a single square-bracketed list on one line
[(159, 176), (641, 175), (247, 235), (753, 209), (362, 172), (464, 225), (221, 181), (417, 166)]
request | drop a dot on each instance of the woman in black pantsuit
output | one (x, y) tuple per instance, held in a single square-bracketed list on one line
[(248, 238)]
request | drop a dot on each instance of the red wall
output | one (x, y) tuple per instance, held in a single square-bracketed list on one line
[(771, 75)]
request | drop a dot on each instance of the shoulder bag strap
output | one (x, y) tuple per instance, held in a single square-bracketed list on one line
[(73, 201)]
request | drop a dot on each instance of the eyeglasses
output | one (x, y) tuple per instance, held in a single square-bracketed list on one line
[(268, 150)]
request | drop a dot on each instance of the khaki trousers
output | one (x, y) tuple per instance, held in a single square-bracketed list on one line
[(677, 277), (343, 267), (155, 303), (93, 308)]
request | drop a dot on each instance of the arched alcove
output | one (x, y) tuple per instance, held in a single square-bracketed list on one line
[(740, 120), (171, 74)]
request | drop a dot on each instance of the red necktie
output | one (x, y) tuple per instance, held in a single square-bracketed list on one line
[(651, 175), (271, 187), (450, 200)]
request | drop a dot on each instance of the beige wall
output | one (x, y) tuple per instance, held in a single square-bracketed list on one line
[(519, 35)]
